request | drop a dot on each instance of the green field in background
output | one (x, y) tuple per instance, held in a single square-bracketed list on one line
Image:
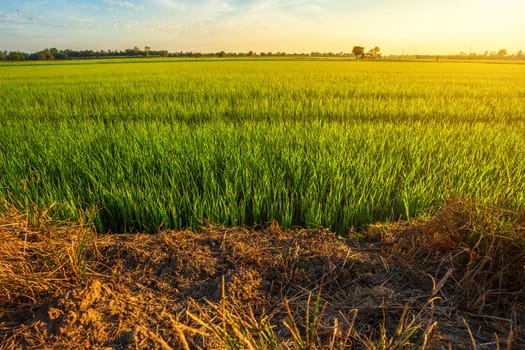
[(138, 145)]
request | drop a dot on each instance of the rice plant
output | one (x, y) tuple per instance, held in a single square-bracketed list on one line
[(141, 146)]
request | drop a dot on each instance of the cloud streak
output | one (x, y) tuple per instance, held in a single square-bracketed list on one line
[(125, 4)]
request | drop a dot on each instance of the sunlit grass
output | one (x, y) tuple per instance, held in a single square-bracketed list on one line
[(339, 144)]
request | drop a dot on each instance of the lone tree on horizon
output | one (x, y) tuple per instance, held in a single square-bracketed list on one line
[(358, 51)]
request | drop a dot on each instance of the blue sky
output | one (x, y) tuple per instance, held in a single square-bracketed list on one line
[(396, 26)]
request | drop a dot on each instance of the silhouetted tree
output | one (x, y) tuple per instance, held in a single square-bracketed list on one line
[(16, 56), (502, 53), (375, 51), (61, 55), (358, 51)]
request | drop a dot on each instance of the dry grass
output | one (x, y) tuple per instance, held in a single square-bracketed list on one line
[(454, 281), (476, 258)]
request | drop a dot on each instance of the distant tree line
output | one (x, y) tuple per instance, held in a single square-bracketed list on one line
[(55, 54), (501, 54), (358, 52)]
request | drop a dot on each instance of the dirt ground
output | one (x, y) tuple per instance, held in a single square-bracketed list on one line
[(455, 281)]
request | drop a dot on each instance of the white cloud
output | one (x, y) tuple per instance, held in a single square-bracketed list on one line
[(125, 4), (11, 17), (90, 7)]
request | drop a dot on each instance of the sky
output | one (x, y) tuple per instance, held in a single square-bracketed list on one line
[(396, 26)]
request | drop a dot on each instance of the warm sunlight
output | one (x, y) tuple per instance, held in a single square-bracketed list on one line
[(262, 174), (397, 26)]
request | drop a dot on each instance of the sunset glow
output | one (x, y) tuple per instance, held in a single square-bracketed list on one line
[(396, 26)]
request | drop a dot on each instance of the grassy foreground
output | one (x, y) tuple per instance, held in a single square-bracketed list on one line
[(454, 281), (142, 146)]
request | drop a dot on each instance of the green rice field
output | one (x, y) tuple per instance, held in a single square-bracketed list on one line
[(142, 145)]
